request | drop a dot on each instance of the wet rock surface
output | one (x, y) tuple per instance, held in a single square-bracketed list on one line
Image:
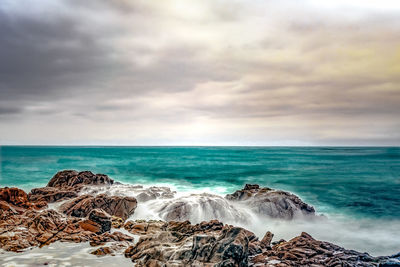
[(67, 184), (81, 206), (14, 200), (306, 251), (272, 203), (101, 219)]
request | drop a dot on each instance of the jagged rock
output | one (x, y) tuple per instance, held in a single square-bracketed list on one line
[(266, 241), (16, 200), (117, 222), (51, 194), (67, 184), (142, 227), (38, 228), (89, 225), (272, 203), (183, 244), (306, 251), (102, 218), (70, 178), (81, 206)]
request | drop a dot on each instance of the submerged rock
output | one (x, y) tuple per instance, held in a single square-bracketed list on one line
[(199, 207)]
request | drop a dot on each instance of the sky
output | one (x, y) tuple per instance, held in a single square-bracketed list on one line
[(209, 72)]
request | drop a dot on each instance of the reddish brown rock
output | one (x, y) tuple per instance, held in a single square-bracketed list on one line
[(67, 184), (89, 225), (16, 200), (101, 218), (81, 206), (117, 222), (102, 251), (266, 241), (70, 178), (51, 194)]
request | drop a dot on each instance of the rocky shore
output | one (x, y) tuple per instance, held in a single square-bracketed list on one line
[(74, 207)]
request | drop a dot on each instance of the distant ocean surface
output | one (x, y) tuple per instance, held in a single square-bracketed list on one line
[(360, 184)]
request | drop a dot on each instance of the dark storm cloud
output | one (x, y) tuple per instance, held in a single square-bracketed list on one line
[(9, 110), (41, 58)]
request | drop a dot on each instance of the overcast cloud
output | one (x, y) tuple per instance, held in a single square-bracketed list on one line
[(211, 72)]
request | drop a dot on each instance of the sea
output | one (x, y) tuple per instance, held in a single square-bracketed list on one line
[(356, 189)]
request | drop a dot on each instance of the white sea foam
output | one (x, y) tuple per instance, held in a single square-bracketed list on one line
[(61, 255)]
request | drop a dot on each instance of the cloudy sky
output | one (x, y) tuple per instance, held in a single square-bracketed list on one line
[(209, 72)]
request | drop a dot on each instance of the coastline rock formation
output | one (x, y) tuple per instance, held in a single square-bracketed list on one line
[(81, 206), (15, 201), (67, 184), (101, 219), (272, 203)]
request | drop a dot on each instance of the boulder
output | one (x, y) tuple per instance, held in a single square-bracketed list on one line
[(67, 184), (81, 206), (70, 178), (16, 200), (51, 194), (182, 244), (102, 218), (306, 251), (266, 241), (272, 203)]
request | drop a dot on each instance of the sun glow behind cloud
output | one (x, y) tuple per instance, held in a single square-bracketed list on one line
[(200, 72)]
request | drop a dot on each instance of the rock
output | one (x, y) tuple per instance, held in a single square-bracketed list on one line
[(306, 251), (70, 178), (14, 196), (81, 206), (266, 241), (67, 184), (272, 203), (117, 222), (51, 194), (183, 244), (102, 218), (16, 200), (141, 193), (89, 225), (209, 206), (38, 228), (102, 251)]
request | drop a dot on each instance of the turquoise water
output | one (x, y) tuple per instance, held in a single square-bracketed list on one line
[(363, 182)]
